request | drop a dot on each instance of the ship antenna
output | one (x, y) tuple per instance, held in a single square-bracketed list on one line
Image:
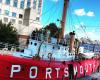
[(63, 21)]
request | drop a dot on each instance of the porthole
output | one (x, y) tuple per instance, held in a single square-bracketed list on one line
[(31, 43), (35, 44), (65, 48), (58, 47)]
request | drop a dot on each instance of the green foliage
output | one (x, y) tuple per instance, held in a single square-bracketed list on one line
[(52, 27), (54, 30), (8, 33)]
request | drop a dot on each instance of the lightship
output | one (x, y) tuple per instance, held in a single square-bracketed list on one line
[(44, 60)]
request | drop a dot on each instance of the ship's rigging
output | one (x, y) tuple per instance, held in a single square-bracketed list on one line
[(55, 12), (56, 61)]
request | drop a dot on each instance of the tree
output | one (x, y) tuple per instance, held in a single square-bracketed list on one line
[(8, 34), (54, 30), (52, 27)]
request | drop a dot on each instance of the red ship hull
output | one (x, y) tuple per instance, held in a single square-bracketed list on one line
[(14, 68)]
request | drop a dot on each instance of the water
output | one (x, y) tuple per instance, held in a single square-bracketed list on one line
[(94, 76)]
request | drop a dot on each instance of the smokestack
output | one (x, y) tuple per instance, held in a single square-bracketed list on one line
[(72, 39)]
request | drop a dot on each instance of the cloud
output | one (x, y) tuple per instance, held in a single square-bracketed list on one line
[(79, 26), (82, 23), (82, 12), (91, 34), (55, 0), (90, 13), (79, 12)]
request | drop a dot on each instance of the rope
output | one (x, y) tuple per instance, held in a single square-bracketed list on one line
[(51, 16)]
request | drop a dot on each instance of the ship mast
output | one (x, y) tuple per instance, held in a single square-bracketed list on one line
[(63, 21)]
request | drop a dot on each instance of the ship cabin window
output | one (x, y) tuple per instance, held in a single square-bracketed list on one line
[(35, 44), (65, 49)]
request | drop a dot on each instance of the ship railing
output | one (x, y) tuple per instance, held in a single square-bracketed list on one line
[(48, 39), (9, 48), (38, 37)]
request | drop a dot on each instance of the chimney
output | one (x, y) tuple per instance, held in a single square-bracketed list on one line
[(72, 39)]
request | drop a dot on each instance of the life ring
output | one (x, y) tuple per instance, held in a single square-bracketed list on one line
[(5, 49), (49, 55)]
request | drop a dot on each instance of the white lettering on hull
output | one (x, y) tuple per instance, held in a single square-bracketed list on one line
[(48, 71), (57, 69), (75, 70), (66, 72), (81, 69), (36, 72), (13, 70), (86, 68)]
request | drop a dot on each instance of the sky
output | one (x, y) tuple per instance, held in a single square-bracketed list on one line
[(83, 16)]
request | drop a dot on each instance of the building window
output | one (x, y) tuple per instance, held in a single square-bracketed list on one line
[(20, 22), (22, 4), (20, 16), (7, 12), (34, 4), (0, 1), (7, 2), (15, 2), (28, 3), (5, 19), (39, 6), (13, 14), (37, 18), (0, 11), (13, 21)]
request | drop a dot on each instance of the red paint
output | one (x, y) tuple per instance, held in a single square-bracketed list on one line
[(6, 63)]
